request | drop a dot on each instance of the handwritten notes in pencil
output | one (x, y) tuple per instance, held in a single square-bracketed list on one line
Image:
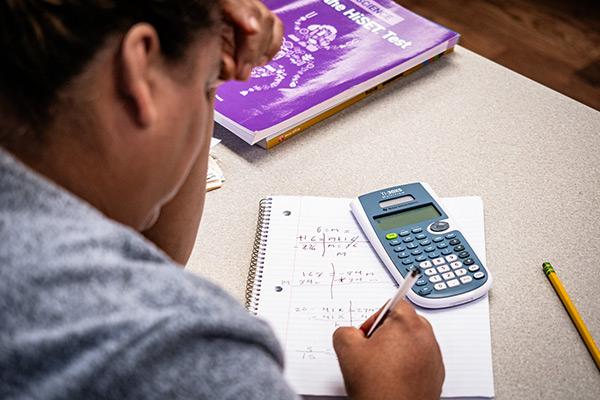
[(319, 272)]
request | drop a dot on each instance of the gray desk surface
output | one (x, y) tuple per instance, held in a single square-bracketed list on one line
[(467, 126)]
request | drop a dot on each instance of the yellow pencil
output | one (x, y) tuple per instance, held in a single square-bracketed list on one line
[(575, 317)]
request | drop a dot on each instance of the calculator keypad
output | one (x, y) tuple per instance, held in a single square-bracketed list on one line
[(445, 261)]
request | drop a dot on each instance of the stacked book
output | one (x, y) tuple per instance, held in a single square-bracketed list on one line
[(334, 53)]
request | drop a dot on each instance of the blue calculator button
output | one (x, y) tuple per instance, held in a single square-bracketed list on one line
[(403, 255), (417, 230), (451, 236), (454, 242), (395, 242), (429, 249), (408, 239), (421, 236), (460, 247), (425, 291), (398, 249), (425, 242), (442, 245), (407, 261), (463, 254), (412, 246), (421, 258), (433, 255), (416, 252), (404, 233), (469, 261), (421, 282), (446, 252)]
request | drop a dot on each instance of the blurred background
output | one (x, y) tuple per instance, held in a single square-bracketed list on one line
[(556, 43)]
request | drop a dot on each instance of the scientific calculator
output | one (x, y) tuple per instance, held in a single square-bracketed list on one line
[(407, 226)]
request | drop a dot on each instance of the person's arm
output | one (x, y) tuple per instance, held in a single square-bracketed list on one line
[(401, 360)]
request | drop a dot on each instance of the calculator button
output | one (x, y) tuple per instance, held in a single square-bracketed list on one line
[(440, 286), (463, 254), (421, 258), (454, 242), (417, 230), (408, 239), (395, 242), (478, 275), (403, 254), (416, 252), (435, 279), (391, 236), (460, 247), (434, 254), (460, 272), (453, 283), (456, 264), (442, 245), (421, 282), (443, 268), (404, 233), (425, 291), (466, 279), (438, 261), (412, 246), (448, 275), (451, 236), (446, 252), (474, 268), (425, 242), (439, 226), (426, 264), (429, 249), (469, 261), (407, 261), (430, 272), (398, 249), (421, 236), (437, 239), (451, 258)]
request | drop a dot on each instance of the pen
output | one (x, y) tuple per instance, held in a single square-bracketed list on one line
[(575, 317), (409, 281)]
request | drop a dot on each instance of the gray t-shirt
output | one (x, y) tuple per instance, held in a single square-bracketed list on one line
[(90, 309)]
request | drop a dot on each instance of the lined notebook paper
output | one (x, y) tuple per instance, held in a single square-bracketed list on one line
[(315, 271)]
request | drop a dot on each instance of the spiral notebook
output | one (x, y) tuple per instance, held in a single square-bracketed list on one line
[(313, 270)]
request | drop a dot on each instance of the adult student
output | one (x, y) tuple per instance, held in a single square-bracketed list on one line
[(105, 124)]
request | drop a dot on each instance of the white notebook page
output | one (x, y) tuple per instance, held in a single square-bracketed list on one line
[(320, 272)]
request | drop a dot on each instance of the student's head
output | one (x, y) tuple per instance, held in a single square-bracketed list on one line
[(120, 89)]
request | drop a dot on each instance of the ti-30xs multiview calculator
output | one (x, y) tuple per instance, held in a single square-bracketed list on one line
[(408, 228)]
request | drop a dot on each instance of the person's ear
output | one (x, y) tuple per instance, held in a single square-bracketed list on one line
[(139, 56)]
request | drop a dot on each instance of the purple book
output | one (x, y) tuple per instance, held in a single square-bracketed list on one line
[(332, 51)]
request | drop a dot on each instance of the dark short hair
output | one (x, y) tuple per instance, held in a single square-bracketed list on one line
[(45, 43)]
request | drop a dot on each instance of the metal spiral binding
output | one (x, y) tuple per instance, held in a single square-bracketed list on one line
[(255, 274)]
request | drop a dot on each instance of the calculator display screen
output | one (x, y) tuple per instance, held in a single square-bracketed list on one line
[(408, 217)]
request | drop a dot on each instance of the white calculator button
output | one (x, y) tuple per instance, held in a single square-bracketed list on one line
[(451, 258), (466, 279), (474, 268), (430, 271), (448, 275), (453, 283), (435, 279), (425, 264), (440, 286), (460, 272), (478, 275), (456, 264), (439, 261), (443, 268)]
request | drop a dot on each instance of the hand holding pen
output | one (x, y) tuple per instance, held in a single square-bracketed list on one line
[(401, 348)]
